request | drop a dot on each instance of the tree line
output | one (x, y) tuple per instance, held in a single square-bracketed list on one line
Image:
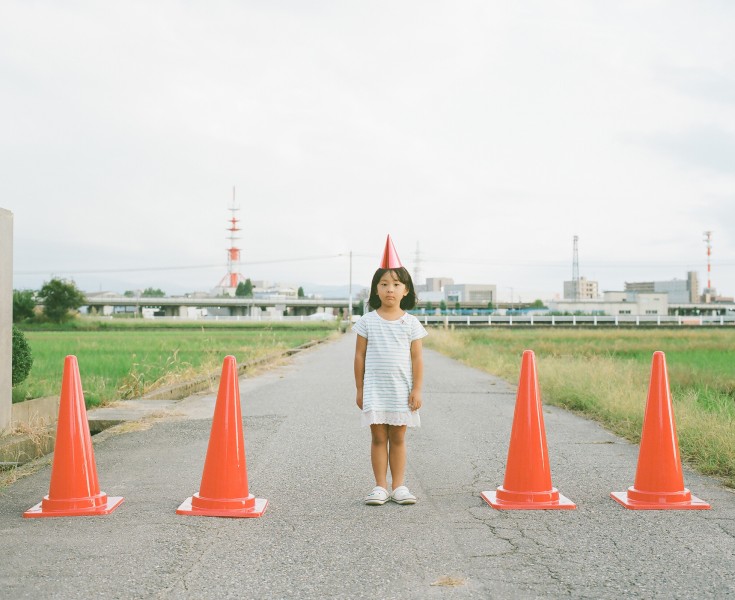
[(60, 298)]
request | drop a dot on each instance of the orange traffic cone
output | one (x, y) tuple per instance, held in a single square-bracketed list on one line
[(659, 482), (224, 488), (75, 489), (527, 483)]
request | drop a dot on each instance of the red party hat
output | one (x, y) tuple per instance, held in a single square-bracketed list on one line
[(390, 258)]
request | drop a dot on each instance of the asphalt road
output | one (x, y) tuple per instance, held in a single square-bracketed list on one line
[(308, 456)]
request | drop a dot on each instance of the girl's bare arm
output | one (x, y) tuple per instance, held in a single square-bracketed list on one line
[(360, 351), (417, 365)]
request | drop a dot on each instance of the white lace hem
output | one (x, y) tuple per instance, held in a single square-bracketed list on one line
[(375, 417)]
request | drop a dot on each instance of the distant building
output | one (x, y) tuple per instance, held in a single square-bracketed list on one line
[(433, 297), (273, 291), (473, 293), (680, 291), (435, 284), (616, 303), (438, 289), (581, 290)]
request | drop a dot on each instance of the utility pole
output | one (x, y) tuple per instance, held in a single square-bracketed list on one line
[(349, 309)]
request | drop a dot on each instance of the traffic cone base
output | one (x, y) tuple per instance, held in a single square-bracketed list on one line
[(637, 500), (504, 500), (255, 507), (83, 507)]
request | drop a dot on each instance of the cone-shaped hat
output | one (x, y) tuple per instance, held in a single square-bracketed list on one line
[(390, 258)]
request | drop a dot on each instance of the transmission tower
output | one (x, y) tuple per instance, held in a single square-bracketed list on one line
[(575, 268), (233, 276), (708, 241)]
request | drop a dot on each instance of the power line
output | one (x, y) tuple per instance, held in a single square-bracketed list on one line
[(174, 268), (424, 260), (565, 264)]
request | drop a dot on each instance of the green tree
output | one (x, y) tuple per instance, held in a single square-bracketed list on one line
[(23, 305), (538, 304), (244, 289), (153, 293), (442, 306), (59, 297), (129, 294), (490, 305), (22, 357), (300, 293)]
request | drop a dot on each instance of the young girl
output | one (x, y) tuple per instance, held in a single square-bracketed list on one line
[(389, 374)]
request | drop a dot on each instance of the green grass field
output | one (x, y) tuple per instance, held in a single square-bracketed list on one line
[(124, 360), (604, 374)]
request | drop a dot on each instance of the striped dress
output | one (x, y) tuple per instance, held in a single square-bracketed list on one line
[(388, 373)]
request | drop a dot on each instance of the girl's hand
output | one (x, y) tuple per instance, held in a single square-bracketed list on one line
[(358, 400), (414, 400)]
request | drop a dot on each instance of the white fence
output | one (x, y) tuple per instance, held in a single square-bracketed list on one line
[(245, 319), (566, 321), (506, 320)]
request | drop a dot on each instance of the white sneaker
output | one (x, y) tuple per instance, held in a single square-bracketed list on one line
[(378, 496), (401, 495)]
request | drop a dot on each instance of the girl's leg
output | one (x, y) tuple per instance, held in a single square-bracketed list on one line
[(397, 454), (379, 454)]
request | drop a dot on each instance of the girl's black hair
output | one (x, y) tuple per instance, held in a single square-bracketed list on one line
[(407, 302)]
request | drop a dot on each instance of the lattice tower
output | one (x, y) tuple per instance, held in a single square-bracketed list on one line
[(233, 276)]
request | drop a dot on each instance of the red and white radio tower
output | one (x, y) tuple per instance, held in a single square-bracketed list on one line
[(708, 241), (233, 276)]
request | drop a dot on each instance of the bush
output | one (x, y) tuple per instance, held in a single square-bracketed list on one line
[(22, 357)]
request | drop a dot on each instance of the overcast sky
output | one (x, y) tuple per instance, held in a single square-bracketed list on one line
[(485, 133)]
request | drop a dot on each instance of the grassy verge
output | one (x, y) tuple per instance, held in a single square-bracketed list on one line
[(119, 361), (604, 375)]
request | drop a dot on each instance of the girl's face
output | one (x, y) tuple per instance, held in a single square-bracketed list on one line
[(391, 290)]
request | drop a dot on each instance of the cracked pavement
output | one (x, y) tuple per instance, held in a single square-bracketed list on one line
[(308, 456)]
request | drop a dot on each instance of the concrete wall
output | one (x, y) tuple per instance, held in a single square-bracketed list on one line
[(6, 317)]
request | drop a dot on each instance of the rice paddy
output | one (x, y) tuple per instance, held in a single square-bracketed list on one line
[(128, 361)]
